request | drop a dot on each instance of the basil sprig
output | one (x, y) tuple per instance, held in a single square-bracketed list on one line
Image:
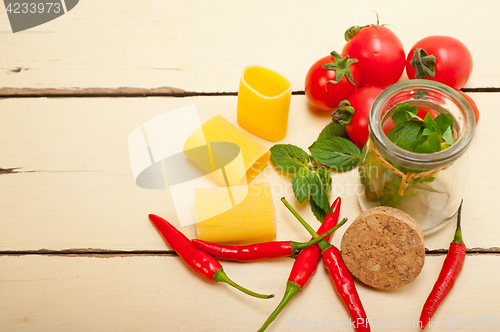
[(313, 172)]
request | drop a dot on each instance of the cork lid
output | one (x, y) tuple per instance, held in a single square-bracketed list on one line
[(384, 248)]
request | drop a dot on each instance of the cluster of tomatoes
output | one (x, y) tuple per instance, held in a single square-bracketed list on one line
[(374, 58)]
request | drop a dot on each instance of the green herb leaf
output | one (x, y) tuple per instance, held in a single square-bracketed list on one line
[(415, 117), (431, 144), (430, 125), (336, 152), (448, 136), (444, 121), (321, 186), (289, 158), (318, 212), (301, 184), (426, 132), (390, 194), (428, 178), (333, 129), (403, 113), (406, 134), (313, 161), (390, 198), (422, 136)]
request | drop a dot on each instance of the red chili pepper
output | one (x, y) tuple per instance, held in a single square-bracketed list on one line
[(305, 264), (341, 277), (198, 260), (258, 251), (345, 287), (452, 266)]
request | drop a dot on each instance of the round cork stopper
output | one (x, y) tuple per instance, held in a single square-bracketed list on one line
[(384, 248)]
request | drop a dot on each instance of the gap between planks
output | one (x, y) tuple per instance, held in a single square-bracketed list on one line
[(127, 92), (103, 253)]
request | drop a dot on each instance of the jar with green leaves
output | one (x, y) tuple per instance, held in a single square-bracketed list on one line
[(415, 158)]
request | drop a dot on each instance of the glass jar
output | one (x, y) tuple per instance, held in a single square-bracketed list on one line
[(427, 186)]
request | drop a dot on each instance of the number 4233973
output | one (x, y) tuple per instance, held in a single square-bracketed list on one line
[(33, 7), (471, 323)]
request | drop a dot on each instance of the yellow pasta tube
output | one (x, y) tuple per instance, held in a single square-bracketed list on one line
[(263, 103), (218, 220), (218, 144)]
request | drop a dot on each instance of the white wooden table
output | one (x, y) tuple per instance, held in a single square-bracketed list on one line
[(77, 252)]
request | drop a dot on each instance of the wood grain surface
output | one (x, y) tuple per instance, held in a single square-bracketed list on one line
[(204, 46), (77, 251)]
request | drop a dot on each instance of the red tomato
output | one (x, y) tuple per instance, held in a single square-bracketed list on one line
[(327, 96), (361, 100), (380, 54), (472, 104), (453, 60)]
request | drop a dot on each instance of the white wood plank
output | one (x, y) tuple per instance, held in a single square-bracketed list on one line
[(203, 46), (44, 293), (74, 187)]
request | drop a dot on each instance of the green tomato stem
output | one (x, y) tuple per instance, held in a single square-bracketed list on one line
[(423, 63), (344, 113)]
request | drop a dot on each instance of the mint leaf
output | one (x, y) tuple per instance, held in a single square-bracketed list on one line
[(407, 107), (431, 144), (318, 212), (448, 136), (390, 194), (406, 134), (313, 161), (336, 152), (403, 113), (430, 125), (422, 136), (428, 178), (444, 121), (301, 184), (390, 198), (333, 129), (415, 117), (321, 186), (426, 132), (289, 158)]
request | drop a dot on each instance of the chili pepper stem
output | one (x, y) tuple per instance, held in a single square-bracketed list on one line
[(458, 232), (302, 221), (220, 275), (322, 244), (302, 245), (292, 289)]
